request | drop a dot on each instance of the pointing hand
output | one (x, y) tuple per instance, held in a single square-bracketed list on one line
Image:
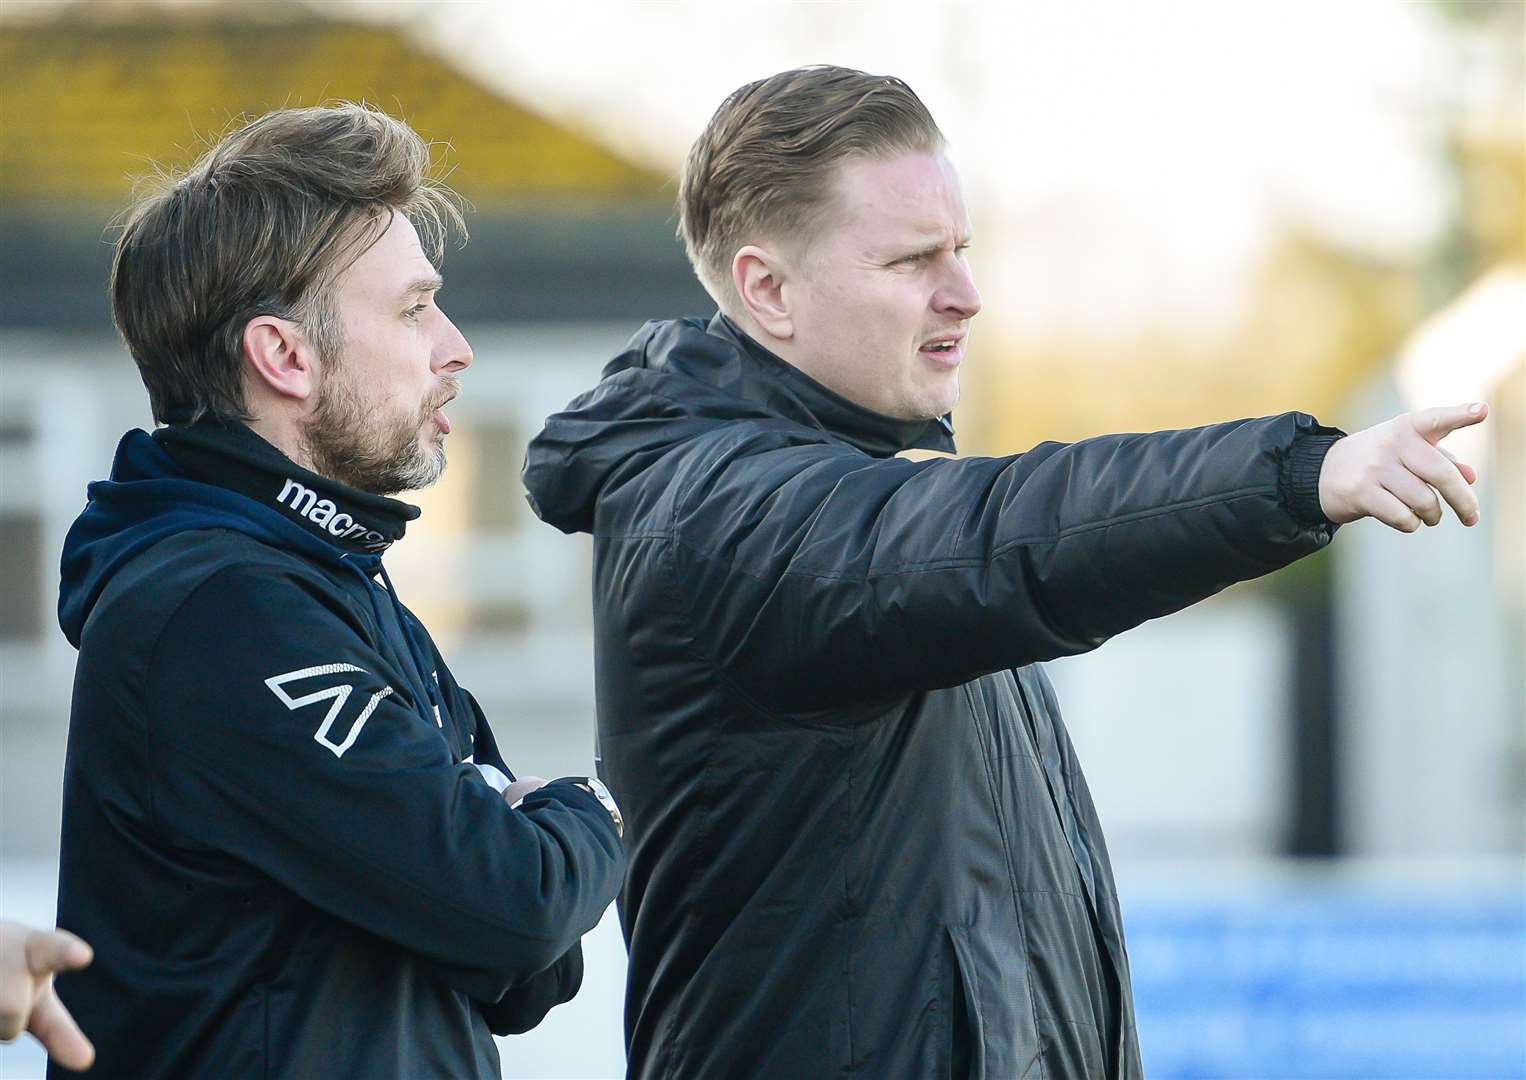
[(1396, 473)]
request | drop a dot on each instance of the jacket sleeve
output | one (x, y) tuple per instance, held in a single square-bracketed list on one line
[(527, 1004), (279, 736), (818, 577)]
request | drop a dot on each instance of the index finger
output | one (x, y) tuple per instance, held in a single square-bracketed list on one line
[(1436, 424), (60, 1035)]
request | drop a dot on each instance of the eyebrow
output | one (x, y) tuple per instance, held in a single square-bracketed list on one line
[(934, 248), (432, 283)]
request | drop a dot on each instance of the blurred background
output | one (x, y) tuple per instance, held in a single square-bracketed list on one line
[(1314, 786)]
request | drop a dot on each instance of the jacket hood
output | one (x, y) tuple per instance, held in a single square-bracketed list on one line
[(149, 498), (675, 380)]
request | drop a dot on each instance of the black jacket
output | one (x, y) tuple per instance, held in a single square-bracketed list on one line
[(282, 829), (860, 842)]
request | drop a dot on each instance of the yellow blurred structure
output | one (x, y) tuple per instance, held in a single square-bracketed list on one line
[(89, 97)]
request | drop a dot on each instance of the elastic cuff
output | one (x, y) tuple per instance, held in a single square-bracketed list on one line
[(1298, 484)]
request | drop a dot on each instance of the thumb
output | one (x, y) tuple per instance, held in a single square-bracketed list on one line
[(55, 950), (1436, 424)]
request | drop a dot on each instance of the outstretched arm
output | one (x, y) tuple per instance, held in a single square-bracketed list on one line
[(866, 578)]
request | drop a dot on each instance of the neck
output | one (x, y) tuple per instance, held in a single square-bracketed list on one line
[(783, 348), (285, 434)]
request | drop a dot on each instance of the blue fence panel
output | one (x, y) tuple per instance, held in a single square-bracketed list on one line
[(1321, 982)]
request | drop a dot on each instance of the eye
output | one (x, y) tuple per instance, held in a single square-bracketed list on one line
[(415, 311)]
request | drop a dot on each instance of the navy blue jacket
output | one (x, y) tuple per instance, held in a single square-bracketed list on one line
[(283, 832)]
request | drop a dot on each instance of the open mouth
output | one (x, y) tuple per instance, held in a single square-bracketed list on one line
[(944, 350), (441, 421)]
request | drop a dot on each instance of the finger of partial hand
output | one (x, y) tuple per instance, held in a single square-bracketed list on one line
[(1414, 493), (55, 950), (1468, 472), (13, 1014), (522, 787), (1436, 424), (1432, 466), (60, 1034), (1384, 506)]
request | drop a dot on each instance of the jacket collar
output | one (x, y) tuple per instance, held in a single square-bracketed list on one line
[(777, 384), (232, 456)]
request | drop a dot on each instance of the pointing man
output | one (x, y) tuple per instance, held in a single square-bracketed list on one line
[(860, 840)]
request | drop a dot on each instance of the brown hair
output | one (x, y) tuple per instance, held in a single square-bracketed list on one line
[(262, 224), (762, 166)]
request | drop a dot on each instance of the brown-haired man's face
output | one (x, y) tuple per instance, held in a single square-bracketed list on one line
[(882, 299), (378, 423)]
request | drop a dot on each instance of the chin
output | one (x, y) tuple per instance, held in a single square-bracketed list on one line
[(940, 402)]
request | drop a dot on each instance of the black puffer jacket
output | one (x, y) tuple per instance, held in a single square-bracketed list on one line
[(860, 843)]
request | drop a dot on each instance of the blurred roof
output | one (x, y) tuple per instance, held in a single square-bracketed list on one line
[(94, 95), (95, 92)]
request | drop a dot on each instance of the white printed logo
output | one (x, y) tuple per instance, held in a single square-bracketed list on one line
[(340, 694), (324, 514)]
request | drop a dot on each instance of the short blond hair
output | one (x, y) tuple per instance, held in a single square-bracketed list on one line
[(762, 166)]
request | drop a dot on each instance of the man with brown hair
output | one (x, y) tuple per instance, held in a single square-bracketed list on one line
[(860, 841), (288, 833)]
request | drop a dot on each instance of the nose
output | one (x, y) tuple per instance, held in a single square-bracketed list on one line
[(957, 294), (451, 351)]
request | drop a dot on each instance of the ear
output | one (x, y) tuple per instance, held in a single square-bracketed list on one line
[(280, 357), (758, 276)]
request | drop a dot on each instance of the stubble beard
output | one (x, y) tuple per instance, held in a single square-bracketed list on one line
[(344, 440)]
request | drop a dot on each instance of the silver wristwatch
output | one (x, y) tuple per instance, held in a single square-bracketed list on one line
[(595, 787)]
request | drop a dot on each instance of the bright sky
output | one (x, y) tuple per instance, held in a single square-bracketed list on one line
[(1123, 161)]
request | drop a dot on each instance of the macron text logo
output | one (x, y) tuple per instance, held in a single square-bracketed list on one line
[(339, 694), (324, 514)]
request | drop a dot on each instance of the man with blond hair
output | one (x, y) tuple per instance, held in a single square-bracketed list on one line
[(288, 833), (860, 841)]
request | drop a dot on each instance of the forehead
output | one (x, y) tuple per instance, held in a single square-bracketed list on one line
[(909, 198), (389, 264)]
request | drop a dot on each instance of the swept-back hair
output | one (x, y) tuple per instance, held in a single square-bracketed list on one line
[(263, 224), (763, 165)]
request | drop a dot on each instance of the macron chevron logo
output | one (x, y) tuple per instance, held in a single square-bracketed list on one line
[(336, 693)]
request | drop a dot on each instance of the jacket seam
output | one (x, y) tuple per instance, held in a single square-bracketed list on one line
[(1141, 515), (1006, 843), (671, 586), (933, 566), (150, 750), (703, 654)]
